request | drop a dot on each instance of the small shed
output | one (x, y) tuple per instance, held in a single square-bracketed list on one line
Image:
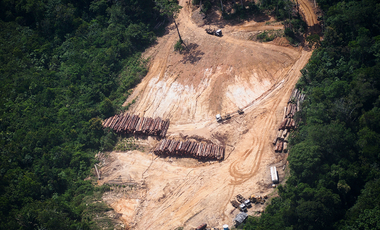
[(240, 218), (274, 175)]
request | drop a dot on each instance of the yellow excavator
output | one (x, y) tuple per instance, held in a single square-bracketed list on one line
[(257, 199)]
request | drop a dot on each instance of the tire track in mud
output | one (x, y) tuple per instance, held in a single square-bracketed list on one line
[(268, 125)]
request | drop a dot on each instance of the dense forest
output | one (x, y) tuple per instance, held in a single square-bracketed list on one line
[(64, 66), (334, 159)]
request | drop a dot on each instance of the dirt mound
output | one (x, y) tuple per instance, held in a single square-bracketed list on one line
[(214, 75)]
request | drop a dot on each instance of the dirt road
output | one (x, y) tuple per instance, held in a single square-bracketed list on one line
[(215, 75), (306, 8)]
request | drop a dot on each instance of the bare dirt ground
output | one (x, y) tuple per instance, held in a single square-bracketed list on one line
[(215, 75)]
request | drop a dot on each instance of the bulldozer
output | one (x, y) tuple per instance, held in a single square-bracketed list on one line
[(256, 199)]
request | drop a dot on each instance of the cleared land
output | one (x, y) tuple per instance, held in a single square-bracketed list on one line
[(216, 75)]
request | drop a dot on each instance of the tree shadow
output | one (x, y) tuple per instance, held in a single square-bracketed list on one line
[(214, 18), (316, 29), (191, 54)]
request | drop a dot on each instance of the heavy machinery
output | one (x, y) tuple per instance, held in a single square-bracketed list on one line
[(219, 118), (243, 207), (240, 218), (214, 32), (253, 198), (248, 203), (240, 198), (235, 204), (240, 111), (257, 199)]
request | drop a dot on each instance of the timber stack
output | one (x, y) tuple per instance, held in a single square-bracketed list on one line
[(200, 151), (288, 123), (129, 123)]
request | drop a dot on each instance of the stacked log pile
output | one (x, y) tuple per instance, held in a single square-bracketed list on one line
[(128, 123), (281, 140), (200, 151)]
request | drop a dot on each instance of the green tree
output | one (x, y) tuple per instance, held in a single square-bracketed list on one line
[(171, 9)]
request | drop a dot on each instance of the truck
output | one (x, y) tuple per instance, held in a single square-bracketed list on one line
[(235, 204), (227, 116), (218, 118), (274, 175), (217, 32), (243, 207), (248, 203), (240, 198)]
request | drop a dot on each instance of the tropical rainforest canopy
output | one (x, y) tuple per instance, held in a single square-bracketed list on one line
[(64, 66)]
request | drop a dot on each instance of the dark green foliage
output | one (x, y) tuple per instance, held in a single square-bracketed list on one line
[(334, 156), (178, 46), (241, 12), (64, 66), (169, 8), (264, 36), (313, 40), (285, 10)]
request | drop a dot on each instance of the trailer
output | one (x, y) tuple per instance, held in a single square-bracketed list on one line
[(235, 204), (274, 175), (240, 198)]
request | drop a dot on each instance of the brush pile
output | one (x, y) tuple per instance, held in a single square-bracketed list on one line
[(200, 151), (128, 123)]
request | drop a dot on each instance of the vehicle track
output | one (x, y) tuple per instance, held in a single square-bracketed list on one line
[(206, 191), (307, 9)]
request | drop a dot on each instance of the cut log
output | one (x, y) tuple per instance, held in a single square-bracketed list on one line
[(97, 172), (282, 125), (288, 122), (284, 134), (286, 138), (285, 147), (280, 146), (277, 146), (274, 141), (279, 134)]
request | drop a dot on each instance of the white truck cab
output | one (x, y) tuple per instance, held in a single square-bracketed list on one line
[(218, 117), (242, 207)]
